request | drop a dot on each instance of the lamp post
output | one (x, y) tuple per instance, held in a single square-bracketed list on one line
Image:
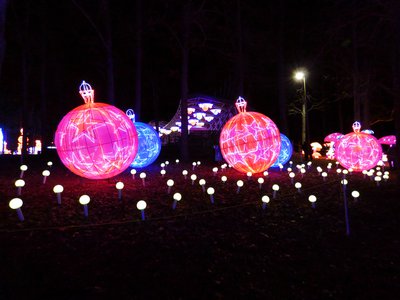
[(300, 75)]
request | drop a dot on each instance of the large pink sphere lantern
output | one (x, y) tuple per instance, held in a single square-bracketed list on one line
[(358, 150), (250, 141), (96, 140)]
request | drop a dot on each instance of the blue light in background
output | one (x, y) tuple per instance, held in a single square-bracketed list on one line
[(286, 152)]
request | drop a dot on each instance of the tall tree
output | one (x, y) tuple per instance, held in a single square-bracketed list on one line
[(105, 36), (186, 17), (3, 11), (139, 58)]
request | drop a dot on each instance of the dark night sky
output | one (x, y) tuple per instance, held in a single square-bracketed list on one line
[(317, 36)]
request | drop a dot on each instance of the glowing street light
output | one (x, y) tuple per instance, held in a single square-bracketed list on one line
[(301, 76)]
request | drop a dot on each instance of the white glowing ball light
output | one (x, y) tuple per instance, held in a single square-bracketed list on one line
[(249, 174), (19, 183), (84, 200), (23, 168), (119, 186), (260, 182), (215, 171), (275, 189), (313, 200), (202, 183), (297, 185), (133, 172), (377, 180), (143, 177), (291, 175), (177, 197), (265, 200), (210, 192), (16, 203), (324, 175), (45, 174), (355, 195), (170, 184), (239, 184), (58, 189), (141, 205), (224, 179), (163, 172), (193, 177), (185, 173), (49, 164)]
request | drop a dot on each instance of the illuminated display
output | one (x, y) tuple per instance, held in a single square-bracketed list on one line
[(358, 150), (250, 141), (388, 140), (96, 140), (149, 144), (285, 153)]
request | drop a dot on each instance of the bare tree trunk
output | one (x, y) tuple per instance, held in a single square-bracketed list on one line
[(356, 72), (109, 53), (240, 58), (184, 80), (283, 125), (3, 10), (43, 131), (139, 57), (395, 10)]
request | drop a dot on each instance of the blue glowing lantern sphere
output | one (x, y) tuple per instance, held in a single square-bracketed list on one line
[(285, 153), (149, 145)]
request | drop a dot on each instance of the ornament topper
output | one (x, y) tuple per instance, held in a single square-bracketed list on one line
[(241, 105), (86, 92)]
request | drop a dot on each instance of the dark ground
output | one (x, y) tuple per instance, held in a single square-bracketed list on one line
[(231, 249)]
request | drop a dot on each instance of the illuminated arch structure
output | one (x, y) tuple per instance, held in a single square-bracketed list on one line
[(205, 116)]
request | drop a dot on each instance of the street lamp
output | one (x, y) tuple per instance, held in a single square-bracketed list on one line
[(301, 75)]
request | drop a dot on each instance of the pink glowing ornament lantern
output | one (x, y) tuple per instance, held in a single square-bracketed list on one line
[(358, 150), (96, 140), (250, 141)]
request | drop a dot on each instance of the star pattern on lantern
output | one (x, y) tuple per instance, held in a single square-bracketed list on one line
[(250, 141), (358, 150), (96, 141)]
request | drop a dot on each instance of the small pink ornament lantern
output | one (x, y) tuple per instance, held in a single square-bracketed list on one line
[(358, 150), (250, 141), (96, 140)]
